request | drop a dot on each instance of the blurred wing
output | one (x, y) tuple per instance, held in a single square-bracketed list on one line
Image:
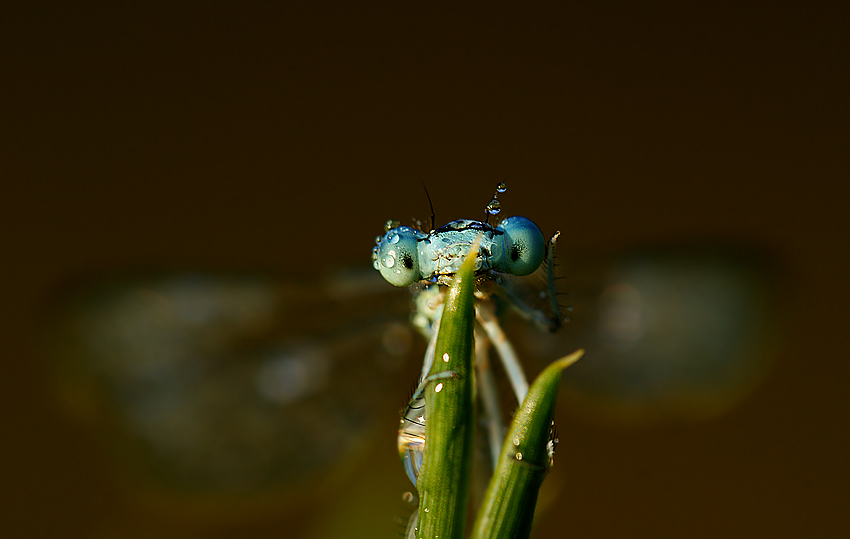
[(671, 333), (232, 386), (229, 384)]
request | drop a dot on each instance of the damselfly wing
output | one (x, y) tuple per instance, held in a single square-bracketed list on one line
[(223, 385), (214, 384)]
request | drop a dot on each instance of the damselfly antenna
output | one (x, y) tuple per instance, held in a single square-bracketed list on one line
[(433, 221)]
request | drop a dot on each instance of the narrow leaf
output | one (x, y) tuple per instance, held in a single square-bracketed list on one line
[(508, 507), (443, 482)]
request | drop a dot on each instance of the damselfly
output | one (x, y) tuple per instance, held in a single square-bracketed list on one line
[(406, 256), (224, 384)]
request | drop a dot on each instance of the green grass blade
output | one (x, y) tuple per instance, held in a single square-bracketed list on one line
[(508, 507), (443, 482)]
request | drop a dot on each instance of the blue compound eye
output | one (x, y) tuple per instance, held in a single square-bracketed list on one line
[(524, 247), (396, 256)]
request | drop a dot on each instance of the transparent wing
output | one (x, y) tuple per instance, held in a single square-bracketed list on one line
[(671, 333), (235, 385)]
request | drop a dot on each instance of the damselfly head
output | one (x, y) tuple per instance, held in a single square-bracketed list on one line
[(405, 255)]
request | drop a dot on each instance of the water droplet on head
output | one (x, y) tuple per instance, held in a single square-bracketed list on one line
[(388, 261), (446, 357), (394, 238), (502, 187), (494, 207)]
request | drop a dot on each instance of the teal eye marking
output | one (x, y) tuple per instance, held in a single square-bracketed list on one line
[(523, 247), (397, 257)]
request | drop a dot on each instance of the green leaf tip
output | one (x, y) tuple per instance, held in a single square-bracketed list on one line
[(566, 361), (508, 507)]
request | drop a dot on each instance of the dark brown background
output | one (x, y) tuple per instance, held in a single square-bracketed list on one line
[(260, 136)]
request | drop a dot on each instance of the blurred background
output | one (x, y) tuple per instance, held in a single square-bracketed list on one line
[(277, 140)]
